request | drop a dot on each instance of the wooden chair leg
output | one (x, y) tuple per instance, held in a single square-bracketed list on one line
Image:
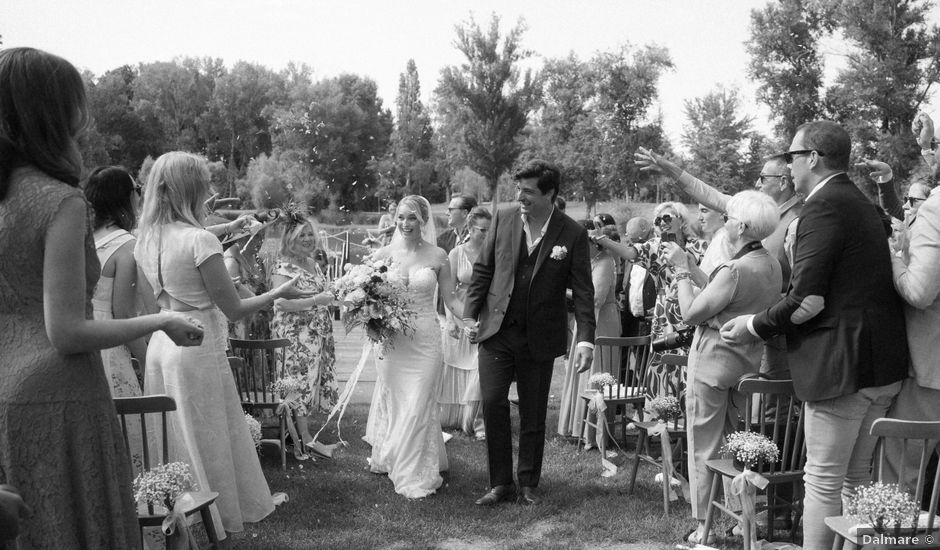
[(667, 478), (771, 512), (210, 528), (710, 511), (746, 526), (640, 448), (582, 436), (283, 434), (837, 542)]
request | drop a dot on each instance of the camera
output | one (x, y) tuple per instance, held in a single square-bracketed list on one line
[(668, 238), (267, 215), (673, 340)]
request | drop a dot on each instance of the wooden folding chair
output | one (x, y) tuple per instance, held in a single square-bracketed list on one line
[(675, 367), (770, 408), (261, 363), (898, 432), (630, 392), (137, 409)]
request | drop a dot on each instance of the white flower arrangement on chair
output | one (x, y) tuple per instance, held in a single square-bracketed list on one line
[(600, 380), (254, 428), (163, 484), (884, 506), (750, 447), (666, 408)]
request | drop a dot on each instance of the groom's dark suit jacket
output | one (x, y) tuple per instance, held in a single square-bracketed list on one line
[(494, 276), (858, 340)]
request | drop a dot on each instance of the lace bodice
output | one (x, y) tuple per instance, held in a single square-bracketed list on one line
[(420, 283)]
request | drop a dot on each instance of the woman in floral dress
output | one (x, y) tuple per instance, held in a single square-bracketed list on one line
[(672, 225), (306, 322)]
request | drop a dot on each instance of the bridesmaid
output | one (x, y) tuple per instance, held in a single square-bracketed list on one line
[(459, 395), (306, 322)]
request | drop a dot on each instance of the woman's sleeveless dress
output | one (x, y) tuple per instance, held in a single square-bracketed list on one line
[(404, 426), (60, 441)]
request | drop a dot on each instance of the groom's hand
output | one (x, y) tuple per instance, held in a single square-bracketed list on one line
[(585, 356), (471, 326)]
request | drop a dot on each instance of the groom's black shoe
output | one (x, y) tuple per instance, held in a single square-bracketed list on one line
[(529, 495), (498, 494)]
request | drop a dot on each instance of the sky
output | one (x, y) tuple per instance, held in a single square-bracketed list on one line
[(376, 38)]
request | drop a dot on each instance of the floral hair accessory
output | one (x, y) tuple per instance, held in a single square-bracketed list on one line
[(559, 252)]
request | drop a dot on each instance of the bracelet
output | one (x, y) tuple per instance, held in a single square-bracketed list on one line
[(683, 275)]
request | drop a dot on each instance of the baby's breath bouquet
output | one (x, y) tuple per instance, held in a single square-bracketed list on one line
[(665, 408), (374, 301), (884, 505), (750, 447), (163, 484), (601, 379), (288, 385), (254, 428)]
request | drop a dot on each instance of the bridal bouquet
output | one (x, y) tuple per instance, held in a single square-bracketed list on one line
[(163, 484), (375, 302), (885, 506)]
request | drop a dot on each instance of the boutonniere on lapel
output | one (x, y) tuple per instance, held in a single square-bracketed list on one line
[(559, 252)]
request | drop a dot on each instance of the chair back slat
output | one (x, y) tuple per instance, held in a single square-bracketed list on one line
[(772, 409), (894, 432), (262, 364), (622, 357)]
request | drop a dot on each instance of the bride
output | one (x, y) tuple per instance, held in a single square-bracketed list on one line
[(404, 426)]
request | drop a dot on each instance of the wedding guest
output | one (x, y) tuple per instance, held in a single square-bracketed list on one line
[(306, 322), (113, 194), (183, 264), (248, 273), (458, 211), (745, 283), (845, 333), (672, 225), (639, 290), (60, 442), (607, 316), (381, 235), (459, 397)]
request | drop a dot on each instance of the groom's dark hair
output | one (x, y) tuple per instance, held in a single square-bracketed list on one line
[(548, 177)]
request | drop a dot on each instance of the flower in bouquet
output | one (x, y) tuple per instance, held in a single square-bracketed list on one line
[(254, 428), (750, 447), (163, 484), (665, 408), (884, 505), (287, 386), (601, 379), (374, 301)]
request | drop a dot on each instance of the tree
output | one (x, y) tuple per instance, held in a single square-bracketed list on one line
[(487, 100), (236, 123), (717, 136), (785, 59), (893, 61), (338, 135)]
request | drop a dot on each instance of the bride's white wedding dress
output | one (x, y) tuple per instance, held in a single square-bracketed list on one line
[(404, 425)]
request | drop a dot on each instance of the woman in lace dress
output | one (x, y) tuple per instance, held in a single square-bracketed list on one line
[(459, 396), (248, 273), (404, 426), (60, 441), (306, 322), (183, 264)]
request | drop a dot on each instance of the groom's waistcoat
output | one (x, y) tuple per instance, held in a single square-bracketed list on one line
[(518, 302)]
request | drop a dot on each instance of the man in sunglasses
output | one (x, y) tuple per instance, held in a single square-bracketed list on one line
[(843, 320), (458, 211)]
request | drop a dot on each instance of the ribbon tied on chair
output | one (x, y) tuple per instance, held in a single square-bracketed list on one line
[(340, 407), (176, 530), (599, 408), (659, 429), (745, 486)]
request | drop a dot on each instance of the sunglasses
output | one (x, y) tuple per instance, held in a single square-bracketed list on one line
[(481, 229), (913, 200), (139, 189), (664, 219), (788, 156)]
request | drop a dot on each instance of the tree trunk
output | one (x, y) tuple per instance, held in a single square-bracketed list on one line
[(494, 192)]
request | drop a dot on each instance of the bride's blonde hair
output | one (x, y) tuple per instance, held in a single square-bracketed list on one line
[(419, 204)]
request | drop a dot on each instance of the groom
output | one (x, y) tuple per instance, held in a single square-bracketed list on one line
[(515, 309)]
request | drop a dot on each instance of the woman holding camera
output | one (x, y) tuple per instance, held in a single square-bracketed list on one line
[(672, 225), (747, 283)]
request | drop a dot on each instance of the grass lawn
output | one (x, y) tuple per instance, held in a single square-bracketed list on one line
[(339, 504)]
